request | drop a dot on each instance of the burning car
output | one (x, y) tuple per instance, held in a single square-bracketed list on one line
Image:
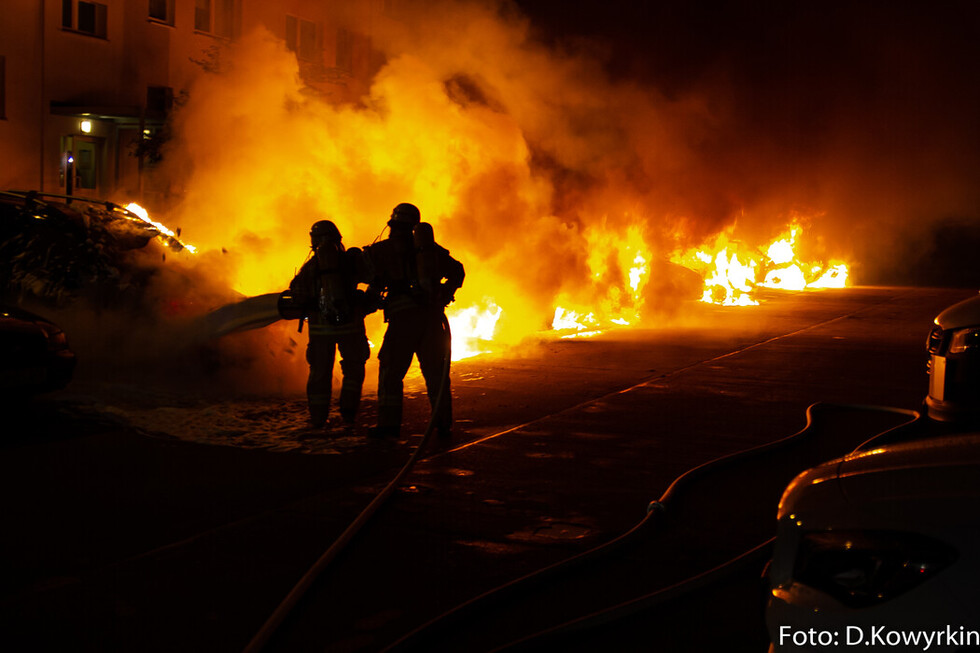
[(34, 353), (954, 364), (881, 549), (55, 249)]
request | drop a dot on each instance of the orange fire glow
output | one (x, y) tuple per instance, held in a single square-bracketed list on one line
[(167, 236), (729, 279), (548, 204)]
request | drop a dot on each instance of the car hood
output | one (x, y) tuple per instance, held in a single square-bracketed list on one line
[(17, 319), (901, 475), (963, 314)]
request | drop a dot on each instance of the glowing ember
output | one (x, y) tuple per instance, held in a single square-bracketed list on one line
[(173, 240)]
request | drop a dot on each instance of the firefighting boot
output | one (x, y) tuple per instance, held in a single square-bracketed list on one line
[(319, 415)]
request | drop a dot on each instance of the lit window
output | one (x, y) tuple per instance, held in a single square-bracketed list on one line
[(162, 10), (301, 37)]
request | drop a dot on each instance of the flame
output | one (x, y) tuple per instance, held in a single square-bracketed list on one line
[(834, 277), (167, 236), (730, 279), (473, 329), (556, 223), (618, 267)]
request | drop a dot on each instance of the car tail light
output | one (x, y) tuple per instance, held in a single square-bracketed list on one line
[(934, 343), (965, 340), (863, 568)]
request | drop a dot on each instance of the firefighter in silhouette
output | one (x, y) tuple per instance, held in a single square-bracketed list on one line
[(413, 279), (326, 286)]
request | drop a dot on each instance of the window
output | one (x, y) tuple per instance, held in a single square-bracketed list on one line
[(345, 50), (91, 18), (202, 15), (301, 37), (215, 16), (162, 10), (159, 99), (85, 17), (224, 18)]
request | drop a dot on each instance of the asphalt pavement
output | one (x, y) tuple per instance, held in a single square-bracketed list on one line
[(119, 539)]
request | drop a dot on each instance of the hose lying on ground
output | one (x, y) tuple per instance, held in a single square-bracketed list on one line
[(656, 511)]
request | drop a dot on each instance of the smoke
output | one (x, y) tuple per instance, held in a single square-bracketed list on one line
[(555, 168), (861, 115)]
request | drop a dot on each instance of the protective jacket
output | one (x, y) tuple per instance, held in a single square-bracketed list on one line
[(327, 287), (415, 283), (405, 276)]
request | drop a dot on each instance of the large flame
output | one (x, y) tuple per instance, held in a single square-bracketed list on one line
[(731, 278), (558, 189)]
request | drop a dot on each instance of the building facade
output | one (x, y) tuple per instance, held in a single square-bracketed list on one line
[(86, 88)]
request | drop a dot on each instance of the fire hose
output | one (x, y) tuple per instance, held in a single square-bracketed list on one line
[(655, 514), (283, 610)]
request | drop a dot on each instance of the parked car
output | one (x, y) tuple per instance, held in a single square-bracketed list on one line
[(954, 365), (880, 550), (34, 353)]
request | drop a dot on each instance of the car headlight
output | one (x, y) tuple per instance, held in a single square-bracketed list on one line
[(863, 568), (965, 340)]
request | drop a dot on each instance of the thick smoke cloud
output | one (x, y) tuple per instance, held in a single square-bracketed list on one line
[(552, 153), (863, 113)]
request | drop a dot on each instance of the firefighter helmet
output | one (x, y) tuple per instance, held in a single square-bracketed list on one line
[(325, 229), (405, 213), (423, 235)]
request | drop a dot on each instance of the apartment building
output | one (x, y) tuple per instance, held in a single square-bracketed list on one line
[(86, 87)]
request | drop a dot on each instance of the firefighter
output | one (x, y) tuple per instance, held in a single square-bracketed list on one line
[(413, 279), (326, 286)]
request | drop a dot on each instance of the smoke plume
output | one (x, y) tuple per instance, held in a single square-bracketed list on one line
[(564, 171)]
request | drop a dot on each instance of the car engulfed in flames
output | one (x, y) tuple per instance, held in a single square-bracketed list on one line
[(733, 271)]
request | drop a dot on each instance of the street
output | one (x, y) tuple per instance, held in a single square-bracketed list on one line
[(125, 535)]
